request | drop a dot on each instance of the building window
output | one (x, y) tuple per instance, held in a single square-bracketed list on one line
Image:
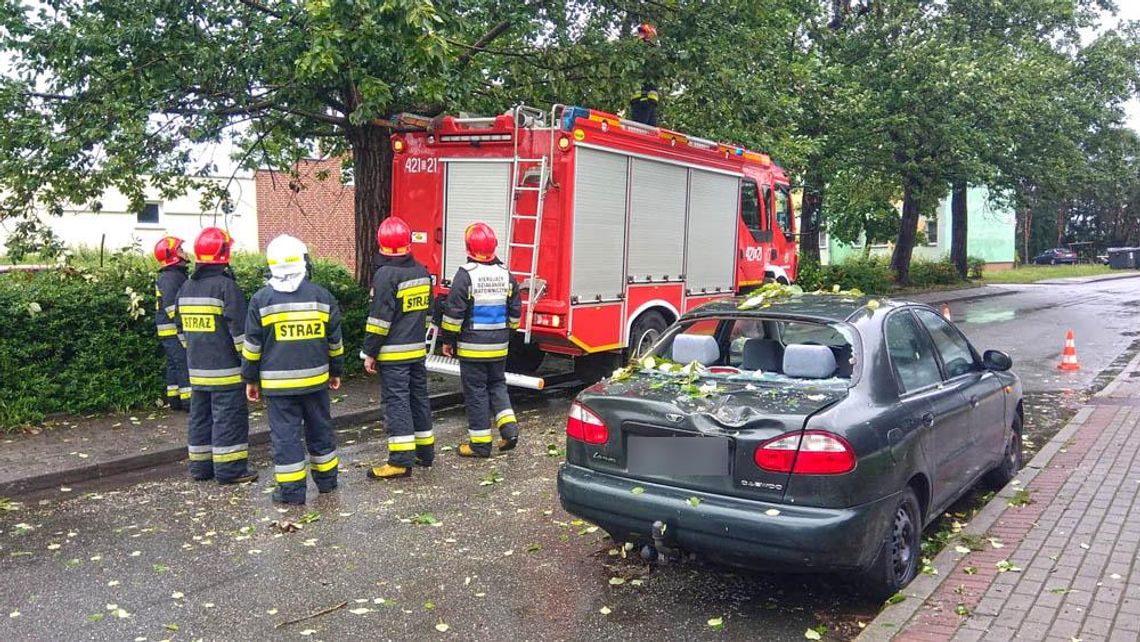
[(148, 215), (932, 231)]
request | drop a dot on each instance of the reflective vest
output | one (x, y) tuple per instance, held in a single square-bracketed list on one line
[(210, 320), (397, 321), (481, 310), (292, 340)]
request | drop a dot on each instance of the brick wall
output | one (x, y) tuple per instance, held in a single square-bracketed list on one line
[(319, 212)]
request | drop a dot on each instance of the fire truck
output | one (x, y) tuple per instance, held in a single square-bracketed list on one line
[(612, 228)]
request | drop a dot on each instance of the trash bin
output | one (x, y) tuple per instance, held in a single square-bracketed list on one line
[(1122, 258)]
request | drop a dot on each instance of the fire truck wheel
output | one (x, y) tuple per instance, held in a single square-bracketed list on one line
[(524, 358), (644, 332)]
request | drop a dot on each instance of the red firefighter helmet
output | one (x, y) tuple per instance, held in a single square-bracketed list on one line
[(481, 241), (213, 246), (167, 250), (394, 238), (647, 32)]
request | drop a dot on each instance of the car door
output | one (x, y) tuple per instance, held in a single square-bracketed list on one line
[(943, 411), (981, 388)]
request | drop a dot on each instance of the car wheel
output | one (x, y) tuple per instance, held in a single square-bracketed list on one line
[(896, 563), (1010, 460), (644, 332), (591, 368), (524, 358), (1052, 261)]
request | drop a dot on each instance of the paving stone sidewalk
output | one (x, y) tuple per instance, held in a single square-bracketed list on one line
[(1069, 555), (68, 450)]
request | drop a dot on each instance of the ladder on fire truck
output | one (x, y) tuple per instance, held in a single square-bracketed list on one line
[(522, 170)]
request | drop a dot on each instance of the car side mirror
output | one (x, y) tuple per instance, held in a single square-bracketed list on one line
[(997, 360)]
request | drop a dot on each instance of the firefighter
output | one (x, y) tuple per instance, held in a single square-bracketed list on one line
[(210, 319), (481, 311), (172, 273), (643, 105), (394, 344), (293, 351)]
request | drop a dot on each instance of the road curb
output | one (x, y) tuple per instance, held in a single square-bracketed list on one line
[(173, 454), (938, 297), (893, 618), (1082, 280)]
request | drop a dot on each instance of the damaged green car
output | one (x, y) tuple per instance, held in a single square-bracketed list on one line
[(795, 432)]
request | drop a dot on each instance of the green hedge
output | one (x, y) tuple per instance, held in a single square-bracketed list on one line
[(71, 345), (873, 274)]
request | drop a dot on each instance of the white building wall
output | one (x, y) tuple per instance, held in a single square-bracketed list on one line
[(114, 227)]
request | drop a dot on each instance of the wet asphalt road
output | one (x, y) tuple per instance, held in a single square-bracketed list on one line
[(164, 558), (502, 560)]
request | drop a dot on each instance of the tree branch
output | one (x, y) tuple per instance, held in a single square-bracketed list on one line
[(257, 6), (487, 38)]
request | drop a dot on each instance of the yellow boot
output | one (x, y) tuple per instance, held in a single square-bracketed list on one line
[(388, 471), (465, 450)]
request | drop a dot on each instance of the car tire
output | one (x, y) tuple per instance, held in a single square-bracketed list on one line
[(1010, 459), (896, 562), (592, 368), (524, 358)]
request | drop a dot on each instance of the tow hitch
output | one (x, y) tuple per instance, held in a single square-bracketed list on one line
[(660, 551)]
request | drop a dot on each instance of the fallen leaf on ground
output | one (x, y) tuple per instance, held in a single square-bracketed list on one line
[(308, 632), (442, 627), (177, 595), (360, 611), (812, 634), (961, 549), (605, 610), (716, 623)]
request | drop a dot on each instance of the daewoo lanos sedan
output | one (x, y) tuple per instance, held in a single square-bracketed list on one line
[(817, 433)]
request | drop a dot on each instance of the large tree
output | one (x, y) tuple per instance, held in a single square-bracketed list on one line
[(103, 94)]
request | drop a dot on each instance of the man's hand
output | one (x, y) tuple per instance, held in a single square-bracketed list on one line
[(448, 350), (334, 383), (253, 392), (370, 365)]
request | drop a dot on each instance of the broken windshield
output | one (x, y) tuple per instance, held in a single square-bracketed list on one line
[(755, 349)]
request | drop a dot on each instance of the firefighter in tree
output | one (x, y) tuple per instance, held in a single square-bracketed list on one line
[(394, 344), (294, 353), (210, 319), (643, 105), (481, 311), (172, 273)]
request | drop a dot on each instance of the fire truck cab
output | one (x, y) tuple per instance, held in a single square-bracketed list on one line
[(612, 228)]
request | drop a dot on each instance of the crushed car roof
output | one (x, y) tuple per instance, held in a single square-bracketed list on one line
[(822, 306)]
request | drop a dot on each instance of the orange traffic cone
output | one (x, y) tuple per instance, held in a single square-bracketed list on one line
[(946, 312), (1069, 354)]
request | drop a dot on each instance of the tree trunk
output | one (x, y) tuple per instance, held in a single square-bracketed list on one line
[(908, 232), (372, 165), (810, 211), (1026, 234), (1062, 210), (958, 227)]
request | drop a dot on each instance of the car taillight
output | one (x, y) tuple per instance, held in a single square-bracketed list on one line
[(812, 452), (583, 425)]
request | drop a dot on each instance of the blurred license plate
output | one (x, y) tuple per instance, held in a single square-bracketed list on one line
[(677, 455)]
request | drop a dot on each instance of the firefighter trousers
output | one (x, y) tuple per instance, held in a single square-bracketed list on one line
[(485, 390), (407, 413), (219, 434), (177, 377), (290, 418)]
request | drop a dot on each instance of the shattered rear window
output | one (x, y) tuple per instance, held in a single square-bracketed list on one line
[(756, 350)]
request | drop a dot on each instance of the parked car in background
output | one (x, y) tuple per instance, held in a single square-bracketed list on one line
[(1056, 256), (815, 433)]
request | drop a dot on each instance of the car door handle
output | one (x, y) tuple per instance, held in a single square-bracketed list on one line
[(974, 401), (928, 420)]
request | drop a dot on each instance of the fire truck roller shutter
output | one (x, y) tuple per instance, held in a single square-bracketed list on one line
[(599, 225), (657, 213), (475, 191), (711, 232)]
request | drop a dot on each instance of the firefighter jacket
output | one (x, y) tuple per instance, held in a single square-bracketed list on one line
[(210, 319), (483, 308), (397, 321), (292, 340), (170, 279)]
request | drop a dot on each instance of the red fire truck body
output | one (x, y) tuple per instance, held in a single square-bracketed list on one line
[(612, 228)]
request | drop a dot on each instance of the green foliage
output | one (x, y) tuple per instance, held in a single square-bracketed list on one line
[(925, 274), (76, 340), (871, 275), (31, 236)]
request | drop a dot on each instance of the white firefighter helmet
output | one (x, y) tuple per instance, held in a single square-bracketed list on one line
[(288, 258)]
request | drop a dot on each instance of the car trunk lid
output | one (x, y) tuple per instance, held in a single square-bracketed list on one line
[(670, 431)]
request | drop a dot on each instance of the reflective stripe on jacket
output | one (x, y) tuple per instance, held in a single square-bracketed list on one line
[(210, 319), (292, 340), (397, 320), (481, 311), (166, 286)]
